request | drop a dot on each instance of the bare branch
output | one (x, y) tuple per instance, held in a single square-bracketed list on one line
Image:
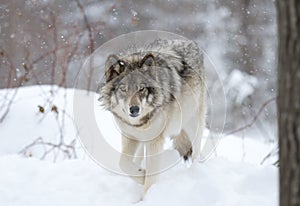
[(53, 19), (87, 25), (250, 124), (67, 149), (91, 42), (69, 56)]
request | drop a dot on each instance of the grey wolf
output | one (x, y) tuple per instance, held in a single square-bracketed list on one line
[(155, 92)]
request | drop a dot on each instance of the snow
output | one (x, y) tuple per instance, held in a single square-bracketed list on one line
[(232, 176), (241, 85)]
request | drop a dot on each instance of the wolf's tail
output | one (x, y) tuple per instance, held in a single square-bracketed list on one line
[(183, 145)]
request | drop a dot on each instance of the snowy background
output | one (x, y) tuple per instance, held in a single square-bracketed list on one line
[(45, 42)]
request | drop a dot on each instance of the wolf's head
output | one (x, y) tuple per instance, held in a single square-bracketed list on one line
[(131, 91)]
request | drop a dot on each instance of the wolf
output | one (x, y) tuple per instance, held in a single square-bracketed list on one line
[(156, 92)]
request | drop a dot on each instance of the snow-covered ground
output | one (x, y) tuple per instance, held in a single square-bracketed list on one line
[(233, 176)]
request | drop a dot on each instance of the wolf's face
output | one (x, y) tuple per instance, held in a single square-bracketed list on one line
[(131, 91), (135, 96)]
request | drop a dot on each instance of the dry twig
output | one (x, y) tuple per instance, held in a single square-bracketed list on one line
[(251, 123)]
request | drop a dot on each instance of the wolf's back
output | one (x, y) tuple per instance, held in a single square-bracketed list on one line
[(185, 50), (184, 55)]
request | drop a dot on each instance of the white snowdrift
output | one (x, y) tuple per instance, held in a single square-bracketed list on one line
[(233, 175)]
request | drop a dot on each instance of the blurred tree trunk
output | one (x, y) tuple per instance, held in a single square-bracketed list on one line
[(289, 100)]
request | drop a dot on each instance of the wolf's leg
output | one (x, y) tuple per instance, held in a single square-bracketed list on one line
[(129, 149), (139, 155), (196, 145), (183, 145), (194, 131), (154, 150)]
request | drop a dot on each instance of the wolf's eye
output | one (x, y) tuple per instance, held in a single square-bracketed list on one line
[(123, 88), (121, 63), (142, 88)]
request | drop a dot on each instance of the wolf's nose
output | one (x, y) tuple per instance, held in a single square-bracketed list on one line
[(134, 111)]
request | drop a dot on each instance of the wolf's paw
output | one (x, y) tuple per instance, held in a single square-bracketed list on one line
[(188, 155), (140, 178), (142, 172)]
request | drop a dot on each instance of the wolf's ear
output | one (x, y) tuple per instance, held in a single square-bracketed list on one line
[(148, 60), (111, 60), (113, 67)]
